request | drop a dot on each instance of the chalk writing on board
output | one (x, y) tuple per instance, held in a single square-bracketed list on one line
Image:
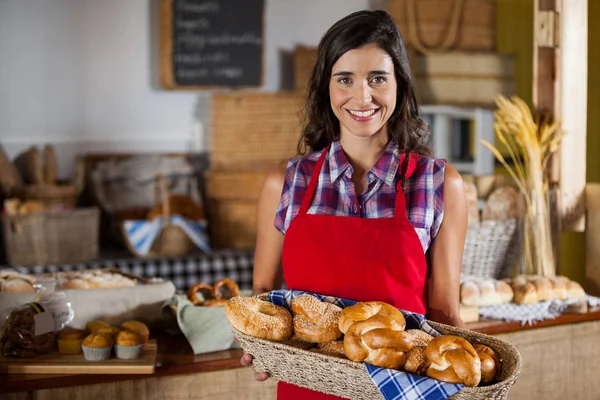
[(217, 43)]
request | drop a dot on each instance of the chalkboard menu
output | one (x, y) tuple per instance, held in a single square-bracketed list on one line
[(211, 43)]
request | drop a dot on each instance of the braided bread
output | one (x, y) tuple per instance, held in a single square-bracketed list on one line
[(453, 360)]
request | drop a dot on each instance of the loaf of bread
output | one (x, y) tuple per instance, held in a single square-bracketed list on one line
[(504, 203), (94, 279), (530, 289), (480, 292), (12, 281)]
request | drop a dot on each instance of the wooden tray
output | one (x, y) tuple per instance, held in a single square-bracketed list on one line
[(56, 363)]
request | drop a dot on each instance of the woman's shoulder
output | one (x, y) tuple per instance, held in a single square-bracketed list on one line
[(303, 164), (430, 165)]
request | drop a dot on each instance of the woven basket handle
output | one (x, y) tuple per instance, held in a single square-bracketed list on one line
[(162, 191), (411, 13)]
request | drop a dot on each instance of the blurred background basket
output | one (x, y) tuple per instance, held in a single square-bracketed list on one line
[(492, 248), (52, 238)]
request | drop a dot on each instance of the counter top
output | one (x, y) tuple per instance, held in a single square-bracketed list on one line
[(175, 357)]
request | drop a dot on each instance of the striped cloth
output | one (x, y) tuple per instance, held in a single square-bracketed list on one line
[(141, 234), (393, 385), (335, 194)]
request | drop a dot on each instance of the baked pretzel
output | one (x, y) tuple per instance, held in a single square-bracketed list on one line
[(214, 303), (206, 290), (231, 286)]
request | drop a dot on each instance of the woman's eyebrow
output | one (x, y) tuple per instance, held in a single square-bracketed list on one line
[(374, 72)]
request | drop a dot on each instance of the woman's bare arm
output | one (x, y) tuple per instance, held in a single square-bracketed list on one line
[(269, 244), (447, 252), (269, 241)]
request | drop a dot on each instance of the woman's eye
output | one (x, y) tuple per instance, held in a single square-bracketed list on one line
[(378, 79), (344, 81)]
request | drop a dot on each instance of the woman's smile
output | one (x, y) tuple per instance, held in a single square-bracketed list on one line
[(363, 115)]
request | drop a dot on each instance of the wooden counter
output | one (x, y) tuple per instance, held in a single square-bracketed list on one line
[(555, 358)]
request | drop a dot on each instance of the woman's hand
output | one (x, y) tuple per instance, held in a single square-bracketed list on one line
[(246, 361)]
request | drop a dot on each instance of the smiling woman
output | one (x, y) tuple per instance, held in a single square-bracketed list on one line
[(364, 213)]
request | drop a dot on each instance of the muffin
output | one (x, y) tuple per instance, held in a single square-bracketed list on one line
[(110, 331), (93, 326), (69, 340), (97, 347), (139, 327), (129, 345)]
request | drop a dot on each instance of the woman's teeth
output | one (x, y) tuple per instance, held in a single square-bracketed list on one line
[(362, 113)]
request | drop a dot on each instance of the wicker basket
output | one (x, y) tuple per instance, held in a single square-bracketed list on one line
[(492, 248), (53, 238), (319, 371)]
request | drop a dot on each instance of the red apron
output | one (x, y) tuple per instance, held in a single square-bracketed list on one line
[(360, 259)]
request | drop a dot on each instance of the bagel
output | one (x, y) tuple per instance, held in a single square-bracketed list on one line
[(232, 289), (364, 310), (314, 320), (259, 318), (378, 341), (416, 360), (490, 363), (453, 360)]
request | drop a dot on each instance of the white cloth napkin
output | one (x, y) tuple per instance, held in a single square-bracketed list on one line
[(531, 313)]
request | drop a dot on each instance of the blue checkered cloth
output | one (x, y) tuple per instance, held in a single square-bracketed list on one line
[(392, 384)]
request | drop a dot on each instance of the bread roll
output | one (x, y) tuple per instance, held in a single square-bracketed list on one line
[(490, 363), (543, 287), (16, 285), (453, 360), (479, 292), (575, 291), (503, 203), (469, 294), (525, 294)]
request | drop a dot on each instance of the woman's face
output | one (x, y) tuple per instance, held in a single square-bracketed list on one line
[(363, 89)]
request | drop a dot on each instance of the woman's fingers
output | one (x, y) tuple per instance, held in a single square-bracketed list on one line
[(246, 361), (261, 376)]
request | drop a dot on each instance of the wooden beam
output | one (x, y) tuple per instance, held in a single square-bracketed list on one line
[(573, 73)]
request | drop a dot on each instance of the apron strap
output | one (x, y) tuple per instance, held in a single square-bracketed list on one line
[(312, 185), (405, 171)]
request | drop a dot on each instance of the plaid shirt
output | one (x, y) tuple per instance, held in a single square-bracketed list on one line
[(335, 193)]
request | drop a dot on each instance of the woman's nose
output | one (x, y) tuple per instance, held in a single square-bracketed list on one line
[(363, 94)]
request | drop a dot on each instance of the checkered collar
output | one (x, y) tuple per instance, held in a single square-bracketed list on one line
[(384, 169)]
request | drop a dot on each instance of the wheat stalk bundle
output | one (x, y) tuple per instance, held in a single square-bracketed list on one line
[(530, 146)]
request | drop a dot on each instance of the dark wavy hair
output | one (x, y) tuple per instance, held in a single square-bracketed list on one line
[(321, 126)]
